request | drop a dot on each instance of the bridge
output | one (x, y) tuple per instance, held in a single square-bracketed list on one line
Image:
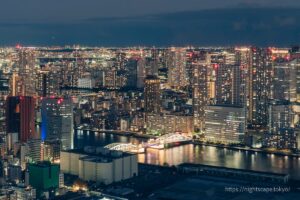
[(125, 147), (168, 139)]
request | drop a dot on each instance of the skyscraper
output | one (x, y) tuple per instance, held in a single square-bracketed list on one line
[(260, 81), (131, 73), (48, 81), (284, 78), (20, 116), (281, 133), (26, 73), (176, 64), (200, 94), (141, 73), (57, 121), (152, 94), (228, 85)]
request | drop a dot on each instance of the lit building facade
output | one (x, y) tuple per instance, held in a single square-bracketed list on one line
[(20, 116), (160, 124), (152, 94), (260, 87), (225, 124), (99, 164), (176, 64), (228, 85), (200, 94), (44, 176), (57, 121), (281, 133)]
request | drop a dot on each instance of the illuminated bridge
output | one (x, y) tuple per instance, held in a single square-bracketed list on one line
[(125, 147), (172, 138)]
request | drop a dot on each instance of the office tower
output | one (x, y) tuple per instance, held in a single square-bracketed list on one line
[(225, 124), (200, 94), (152, 94), (20, 116), (260, 80), (176, 64), (228, 85), (57, 121), (141, 73), (281, 133), (43, 176)]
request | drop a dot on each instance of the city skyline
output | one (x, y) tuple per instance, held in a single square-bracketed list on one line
[(149, 99), (87, 118)]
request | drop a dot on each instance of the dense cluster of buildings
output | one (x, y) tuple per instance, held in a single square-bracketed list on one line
[(241, 95)]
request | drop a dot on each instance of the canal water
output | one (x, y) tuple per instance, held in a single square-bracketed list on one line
[(198, 154)]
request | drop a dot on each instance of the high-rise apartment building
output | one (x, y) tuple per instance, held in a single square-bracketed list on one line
[(26, 64), (281, 133), (228, 85), (141, 73), (260, 84), (284, 76), (176, 64), (199, 94), (48, 82), (152, 94)]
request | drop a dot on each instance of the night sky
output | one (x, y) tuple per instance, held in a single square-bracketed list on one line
[(150, 22)]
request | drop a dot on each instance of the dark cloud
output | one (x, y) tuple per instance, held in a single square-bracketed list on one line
[(74, 10), (259, 26)]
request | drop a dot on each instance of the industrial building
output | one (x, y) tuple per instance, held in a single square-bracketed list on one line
[(99, 164)]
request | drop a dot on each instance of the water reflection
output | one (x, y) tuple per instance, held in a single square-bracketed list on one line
[(201, 154)]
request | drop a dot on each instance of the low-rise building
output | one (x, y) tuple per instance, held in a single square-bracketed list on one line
[(98, 164)]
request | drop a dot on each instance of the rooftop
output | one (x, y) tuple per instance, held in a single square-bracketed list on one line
[(99, 154)]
